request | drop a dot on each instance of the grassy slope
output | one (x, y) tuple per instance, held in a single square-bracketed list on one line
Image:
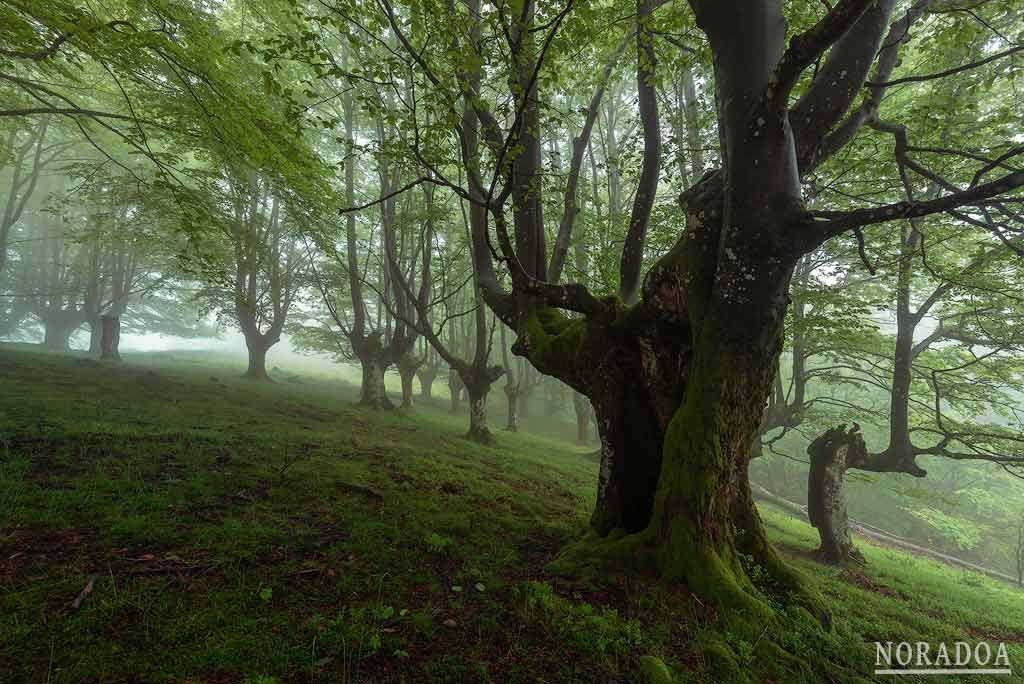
[(278, 533)]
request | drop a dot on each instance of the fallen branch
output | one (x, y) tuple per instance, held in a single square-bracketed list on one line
[(86, 590), (179, 569)]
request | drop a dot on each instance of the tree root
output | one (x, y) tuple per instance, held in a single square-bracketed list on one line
[(767, 622)]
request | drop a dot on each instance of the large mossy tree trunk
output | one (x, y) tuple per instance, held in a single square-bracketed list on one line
[(831, 455), (678, 383)]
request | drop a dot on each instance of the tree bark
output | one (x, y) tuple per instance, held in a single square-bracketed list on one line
[(678, 383), (95, 335), (257, 368), (478, 430), (372, 392), (110, 338), (831, 454)]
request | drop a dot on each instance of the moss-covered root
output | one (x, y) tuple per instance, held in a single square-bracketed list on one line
[(654, 671), (744, 588), (596, 556)]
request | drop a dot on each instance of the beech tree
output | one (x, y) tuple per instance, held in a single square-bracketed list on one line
[(680, 363)]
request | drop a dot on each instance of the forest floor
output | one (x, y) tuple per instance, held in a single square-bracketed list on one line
[(214, 530)]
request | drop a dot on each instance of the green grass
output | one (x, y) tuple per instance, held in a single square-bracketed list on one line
[(240, 532)]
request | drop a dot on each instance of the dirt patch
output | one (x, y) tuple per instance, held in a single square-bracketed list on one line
[(309, 412), (35, 552), (397, 476), (993, 636), (453, 488), (861, 580), (26, 550)]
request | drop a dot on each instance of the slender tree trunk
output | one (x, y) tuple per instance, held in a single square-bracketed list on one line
[(1020, 555), (110, 338), (512, 399), (831, 454)]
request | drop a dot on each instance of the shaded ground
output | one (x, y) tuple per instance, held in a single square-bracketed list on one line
[(213, 530)]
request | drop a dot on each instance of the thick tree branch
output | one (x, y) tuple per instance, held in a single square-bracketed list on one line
[(838, 82), (805, 48), (839, 222), (888, 57)]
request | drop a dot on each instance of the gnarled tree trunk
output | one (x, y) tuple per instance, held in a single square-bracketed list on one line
[(372, 392), (831, 454), (477, 396), (678, 383)]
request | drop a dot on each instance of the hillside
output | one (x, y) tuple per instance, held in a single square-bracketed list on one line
[(215, 530)]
